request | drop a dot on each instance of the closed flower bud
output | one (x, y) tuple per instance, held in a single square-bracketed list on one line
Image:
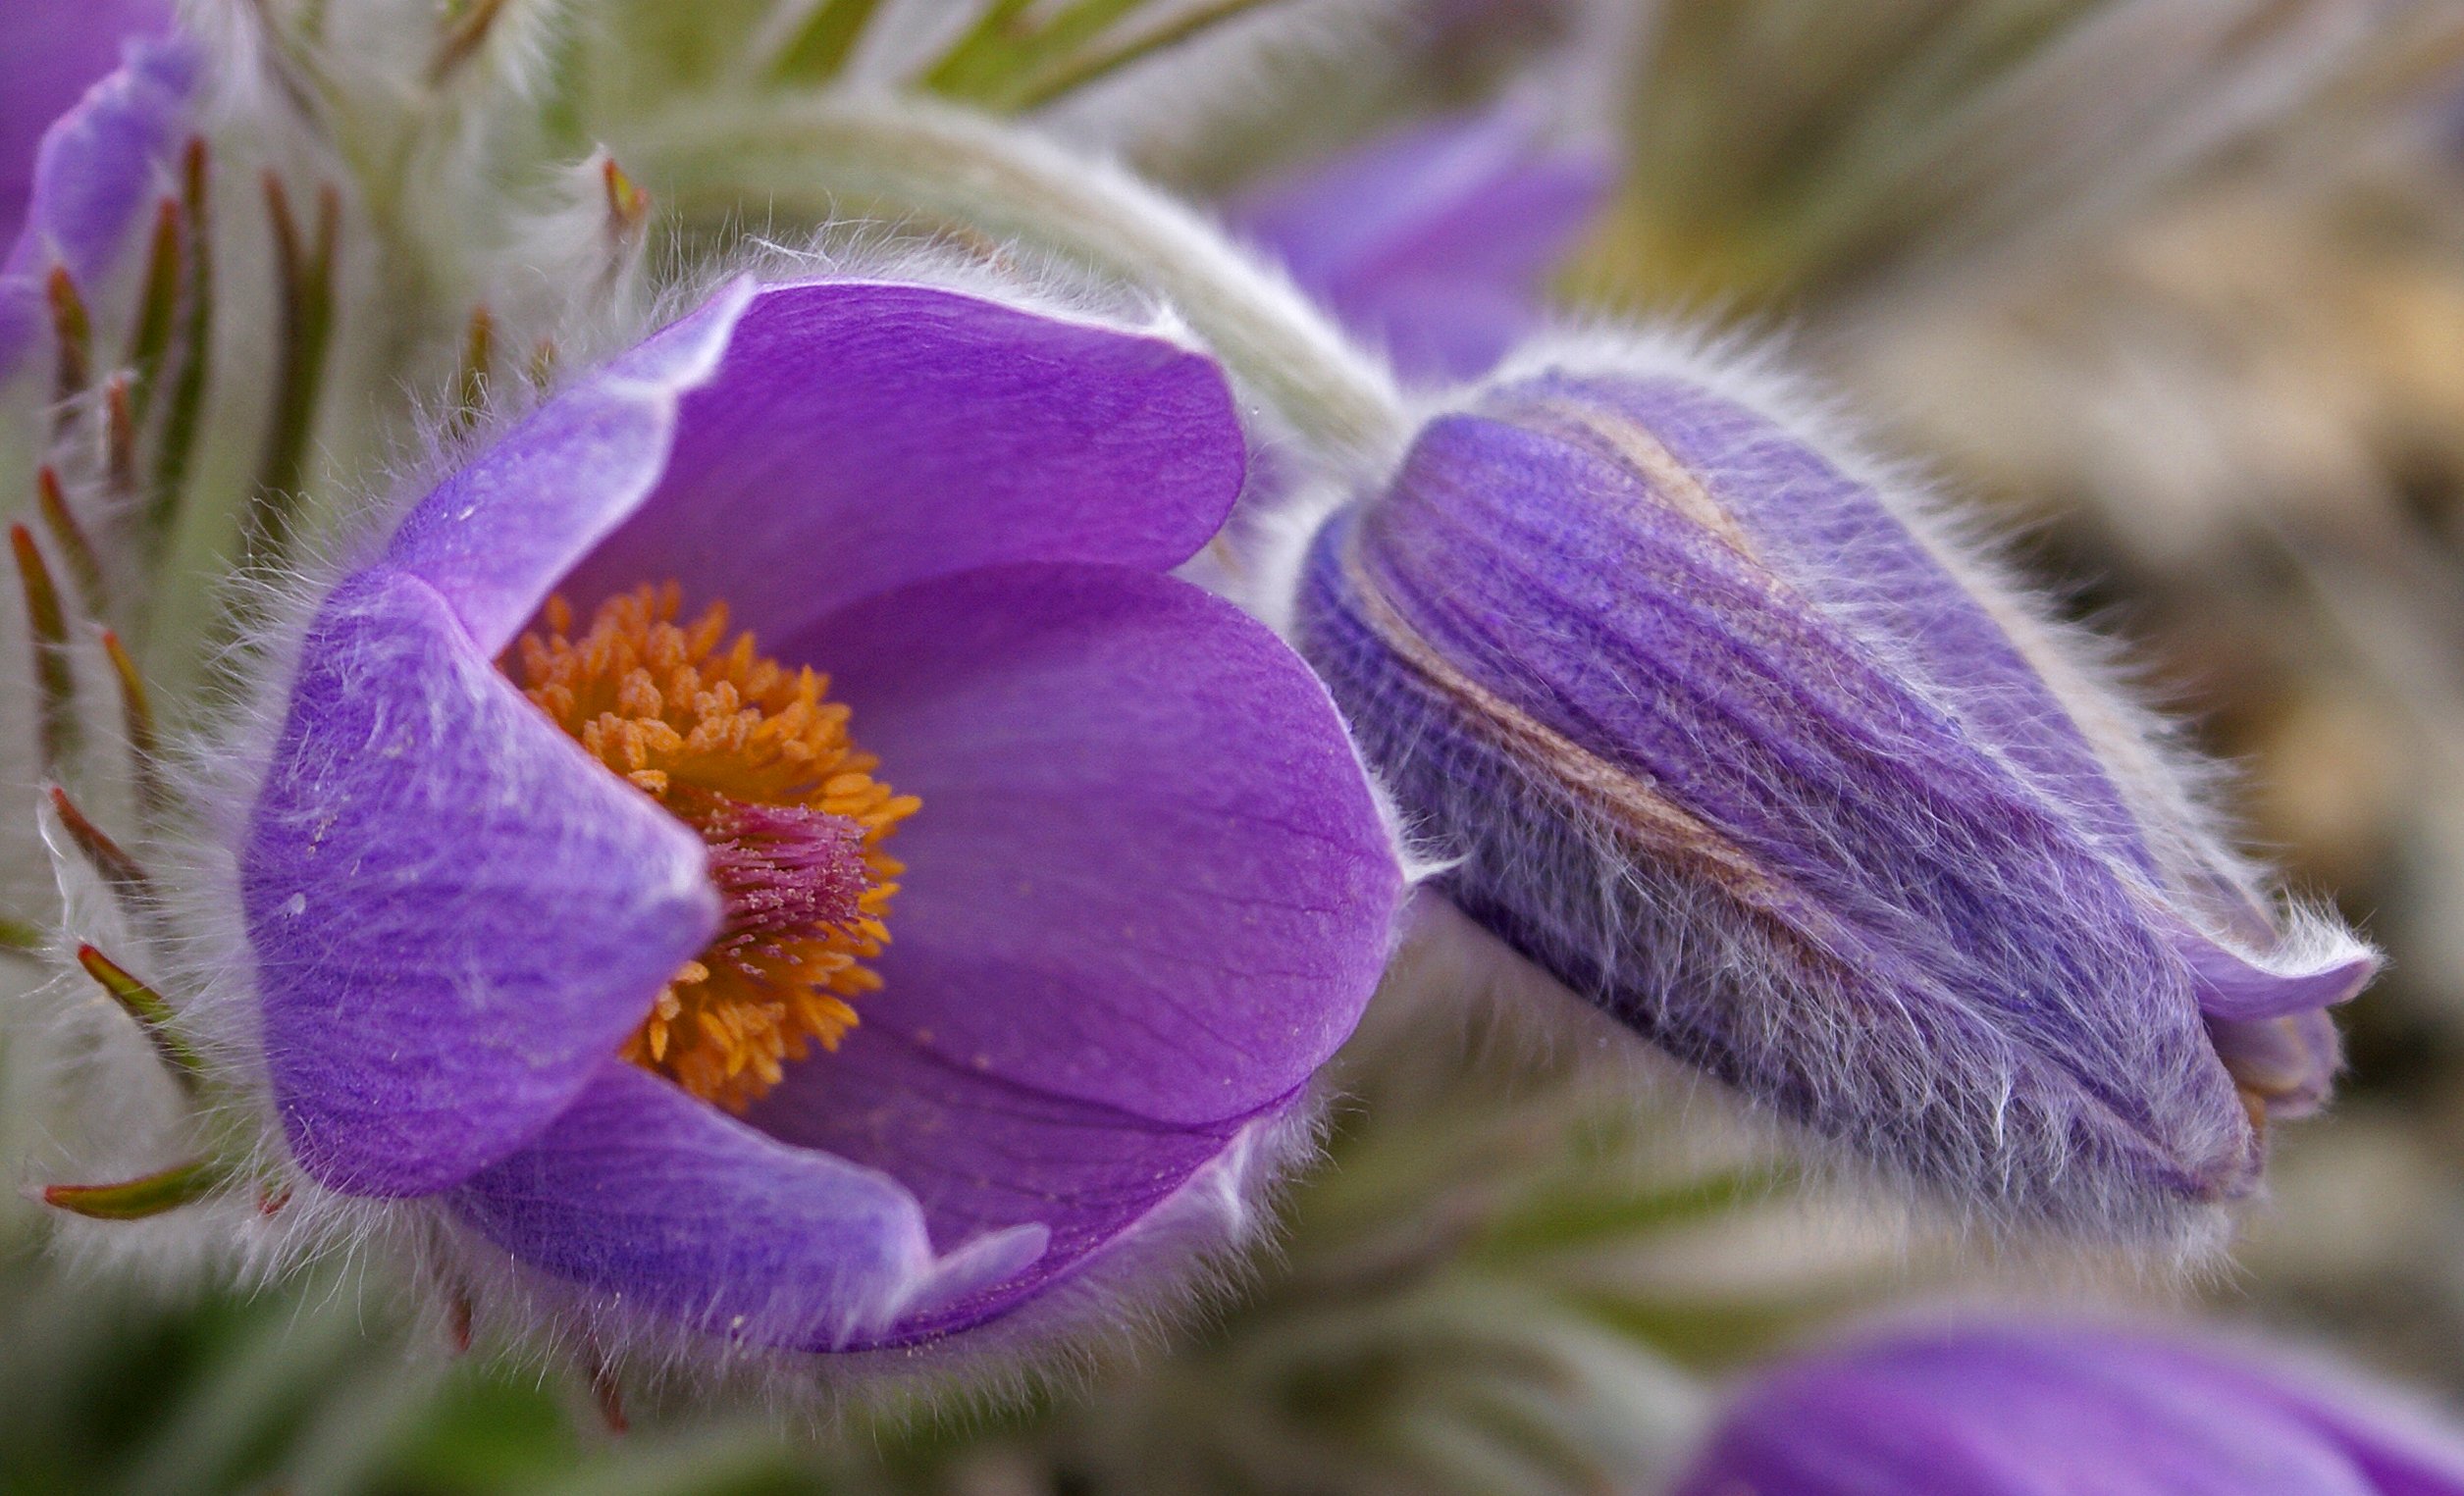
[(81, 145), (1714, 722), (2019, 1408), (1435, 241)]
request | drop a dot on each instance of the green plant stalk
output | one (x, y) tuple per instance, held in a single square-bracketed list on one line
[(821, 156)]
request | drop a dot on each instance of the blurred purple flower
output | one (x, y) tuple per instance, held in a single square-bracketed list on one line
[(2027, 1410), (1146, 894), (1719, 730), (82, 144), (1435, 242)]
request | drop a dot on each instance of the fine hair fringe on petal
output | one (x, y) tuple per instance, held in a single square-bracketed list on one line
[(2176, 794), (1184, 1261)]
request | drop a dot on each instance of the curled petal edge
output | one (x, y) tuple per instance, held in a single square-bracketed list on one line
[(644, 1194)]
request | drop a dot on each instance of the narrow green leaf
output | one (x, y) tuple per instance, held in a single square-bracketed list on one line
[(184, 372), (120, 440), (158, 307), (72, 338), (1591, 1218), (136, 715), (51, 502), (980, 53), (119, 871), (465, 33), (820, 47), (19, 938), (1032, 51), (470, 383), (153, 1015), (1076, 25), (1070, 74), (136, 1199), (55, 676), (305, 274)]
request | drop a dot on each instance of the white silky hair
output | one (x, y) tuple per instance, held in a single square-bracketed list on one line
[(2177, 797)]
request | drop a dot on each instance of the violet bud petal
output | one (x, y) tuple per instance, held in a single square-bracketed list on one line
[(1718, 728), (2018, 1409), (81, 145), (1437, 241)]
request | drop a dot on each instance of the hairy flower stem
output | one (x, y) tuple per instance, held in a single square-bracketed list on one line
[(823, 157)]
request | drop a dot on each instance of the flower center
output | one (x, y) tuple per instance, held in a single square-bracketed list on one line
[(756, 757)]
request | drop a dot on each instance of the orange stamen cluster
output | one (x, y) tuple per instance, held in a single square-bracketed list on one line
[(756, 757)]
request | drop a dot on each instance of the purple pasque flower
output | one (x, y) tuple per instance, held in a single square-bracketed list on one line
[(1141, 888), (2026, 1408), (1716, 724), (1435, 242), (83, 143)]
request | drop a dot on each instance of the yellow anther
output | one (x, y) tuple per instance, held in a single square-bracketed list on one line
[(721, 735)]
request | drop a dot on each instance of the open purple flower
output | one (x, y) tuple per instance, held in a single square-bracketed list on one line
[(910, 1032), (1716, 726), (82, 145), (1435, 241), (2024, 1409)]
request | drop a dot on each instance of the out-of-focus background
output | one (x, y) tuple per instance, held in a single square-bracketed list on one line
[(2173, 290)]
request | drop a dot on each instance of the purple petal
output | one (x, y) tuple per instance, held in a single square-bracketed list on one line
[(457, 913), (97, 165), (640, 1193), (1436, 241), (1863, 563), (2233, 985), (2288, 1062), (48, 58), (1147, 896), (496, 538), (875, 434), (981, 1153), (2021, 1410), (1857, 559), (1148, 874)]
